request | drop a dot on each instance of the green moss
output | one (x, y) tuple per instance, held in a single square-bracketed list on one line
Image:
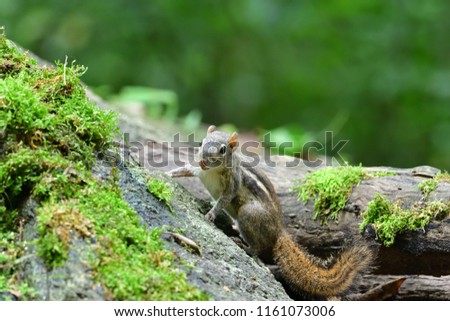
[(59, 222), (162, 191), (331, 188), (49, 136), (23, 168), (390, 219), (443, 177), (131, 263), (429, 185), (11, 249)]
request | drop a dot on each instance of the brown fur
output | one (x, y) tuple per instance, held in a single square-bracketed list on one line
[(302, 273)]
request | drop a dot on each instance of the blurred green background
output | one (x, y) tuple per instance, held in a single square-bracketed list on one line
[(377, 73)]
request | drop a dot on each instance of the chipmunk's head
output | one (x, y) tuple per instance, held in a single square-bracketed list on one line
[(216, 149)]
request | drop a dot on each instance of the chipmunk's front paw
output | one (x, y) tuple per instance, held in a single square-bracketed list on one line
[(210, 217), (181, 172), (171, 173)]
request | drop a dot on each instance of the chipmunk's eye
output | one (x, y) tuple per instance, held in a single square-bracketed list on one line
[(223, 149)]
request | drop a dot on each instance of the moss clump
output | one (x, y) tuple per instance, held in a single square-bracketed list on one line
[(59, 222), (162, 191), (331, 188), (11, 249), (131, 263), (429, 185), (49, 136), (389, 218)]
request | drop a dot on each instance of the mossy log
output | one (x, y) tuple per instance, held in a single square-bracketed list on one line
[(415, 252)]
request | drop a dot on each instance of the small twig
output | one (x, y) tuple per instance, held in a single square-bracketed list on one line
[(183, 240), (21, 230), (65, 64)]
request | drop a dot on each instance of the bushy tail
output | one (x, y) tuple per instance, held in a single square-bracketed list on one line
[(304, 274)]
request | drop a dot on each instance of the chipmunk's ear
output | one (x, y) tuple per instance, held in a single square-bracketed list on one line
[(211, 129), (233, 140)]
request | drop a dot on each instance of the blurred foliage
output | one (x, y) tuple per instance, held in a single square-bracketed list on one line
[(381, 66), (157, 102)]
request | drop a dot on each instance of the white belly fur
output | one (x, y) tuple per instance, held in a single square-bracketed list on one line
[(213, 182)]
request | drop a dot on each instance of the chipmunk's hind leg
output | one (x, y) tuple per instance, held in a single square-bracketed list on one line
[(259, 228)]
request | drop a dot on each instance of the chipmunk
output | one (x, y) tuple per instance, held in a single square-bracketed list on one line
[(248, 196)]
